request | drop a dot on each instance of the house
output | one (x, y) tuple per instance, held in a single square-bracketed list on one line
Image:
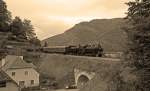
[(23, 73), (6, 84)]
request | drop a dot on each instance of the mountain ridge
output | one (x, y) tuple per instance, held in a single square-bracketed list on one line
[(108, 32)]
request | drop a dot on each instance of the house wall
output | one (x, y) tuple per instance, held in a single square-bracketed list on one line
[(10, 86), (20, 76)]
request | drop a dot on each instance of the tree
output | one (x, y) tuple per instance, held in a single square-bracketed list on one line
[(139, 41), (21, 30), (24, 31), (5, 17), (28, 28), (35, 41), (29, 32), (17, 28)]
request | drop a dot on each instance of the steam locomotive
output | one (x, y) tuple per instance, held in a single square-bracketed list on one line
[(85, 50)]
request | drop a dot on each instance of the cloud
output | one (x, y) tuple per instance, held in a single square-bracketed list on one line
[(51, 17)]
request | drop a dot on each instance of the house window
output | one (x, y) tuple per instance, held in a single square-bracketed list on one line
[(32, 82), (13, 73), (26, 72)]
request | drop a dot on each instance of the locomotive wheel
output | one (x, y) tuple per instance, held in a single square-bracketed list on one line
[(99, 54)]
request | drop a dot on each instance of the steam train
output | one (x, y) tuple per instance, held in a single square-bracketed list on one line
[(86, 50)]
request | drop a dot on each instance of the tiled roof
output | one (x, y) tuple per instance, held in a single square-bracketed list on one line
[(16, 62), (4, 76)]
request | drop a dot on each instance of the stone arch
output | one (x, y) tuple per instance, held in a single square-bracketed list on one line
[(82, 80), (82, 77)]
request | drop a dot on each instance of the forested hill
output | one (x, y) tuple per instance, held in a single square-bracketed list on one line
[(108, 32), (21, 30)]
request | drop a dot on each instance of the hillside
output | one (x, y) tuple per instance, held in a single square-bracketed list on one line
[(111, 78), (106, 31)]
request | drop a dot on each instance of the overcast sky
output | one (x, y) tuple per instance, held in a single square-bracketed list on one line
[(51, 17)]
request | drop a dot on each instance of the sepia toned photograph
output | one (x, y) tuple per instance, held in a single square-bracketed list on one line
[(74, 45)]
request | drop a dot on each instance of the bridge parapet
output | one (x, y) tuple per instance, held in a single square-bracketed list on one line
[(113, 54)]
